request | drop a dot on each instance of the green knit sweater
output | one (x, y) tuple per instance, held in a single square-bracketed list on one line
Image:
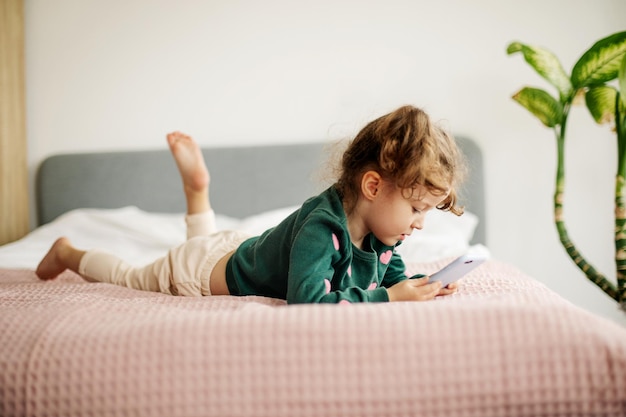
[(309, 258)]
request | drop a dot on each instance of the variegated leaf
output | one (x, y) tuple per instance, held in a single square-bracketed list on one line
[(622, 80), (601, 103), (546, 64), (601, 62), (545, 107)]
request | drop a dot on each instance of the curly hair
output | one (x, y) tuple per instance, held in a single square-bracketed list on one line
[(407, 149)]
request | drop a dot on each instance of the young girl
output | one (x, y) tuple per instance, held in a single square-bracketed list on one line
[(337, 248)]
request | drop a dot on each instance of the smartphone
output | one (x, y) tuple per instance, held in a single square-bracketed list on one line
[(458, 268)]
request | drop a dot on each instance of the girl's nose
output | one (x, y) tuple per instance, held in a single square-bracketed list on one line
[(418, 223)]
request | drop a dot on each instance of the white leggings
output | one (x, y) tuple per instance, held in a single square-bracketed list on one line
[(185, 270)]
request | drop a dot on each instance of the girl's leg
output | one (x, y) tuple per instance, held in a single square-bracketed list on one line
[(193, 171), (200, 218), (97, 266)]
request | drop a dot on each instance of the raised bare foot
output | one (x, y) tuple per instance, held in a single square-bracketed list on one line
[(52, 264), (190, 162)]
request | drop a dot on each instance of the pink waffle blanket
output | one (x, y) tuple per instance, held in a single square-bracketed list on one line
[(504, 345)]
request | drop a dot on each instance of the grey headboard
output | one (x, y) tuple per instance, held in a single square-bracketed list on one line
[(244, 180)]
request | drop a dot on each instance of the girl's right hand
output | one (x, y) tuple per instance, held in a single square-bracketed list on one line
[(414, 290)]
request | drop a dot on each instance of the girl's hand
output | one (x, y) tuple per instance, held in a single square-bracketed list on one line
[(418, 289), (450, 289)]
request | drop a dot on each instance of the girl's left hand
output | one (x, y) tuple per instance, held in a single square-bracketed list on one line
[(450, 289)]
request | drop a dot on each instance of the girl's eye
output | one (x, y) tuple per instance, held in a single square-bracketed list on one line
[(415, 210)]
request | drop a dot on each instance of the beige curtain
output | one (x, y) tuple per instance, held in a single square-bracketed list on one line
[(14, 217)]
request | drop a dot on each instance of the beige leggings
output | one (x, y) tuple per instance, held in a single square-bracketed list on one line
[(185, 270)]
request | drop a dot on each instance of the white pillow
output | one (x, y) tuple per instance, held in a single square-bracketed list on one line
[(255, 224), (259, 223), (444, 235), (139, 236)]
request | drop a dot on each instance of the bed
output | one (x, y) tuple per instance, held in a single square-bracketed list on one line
[(503, 345)]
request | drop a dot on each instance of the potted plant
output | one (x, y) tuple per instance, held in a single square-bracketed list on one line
[(600, 77)]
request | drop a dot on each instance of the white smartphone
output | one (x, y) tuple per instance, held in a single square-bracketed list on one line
[(458, 268)]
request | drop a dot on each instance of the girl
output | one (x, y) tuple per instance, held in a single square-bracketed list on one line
[(337, 248)]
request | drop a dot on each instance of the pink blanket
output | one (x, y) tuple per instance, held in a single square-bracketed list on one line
[(505, 345)]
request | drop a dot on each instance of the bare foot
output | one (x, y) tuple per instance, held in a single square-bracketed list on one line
[(52, 264), (190, 162)]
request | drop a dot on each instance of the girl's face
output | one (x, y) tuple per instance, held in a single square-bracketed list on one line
[(394, 216)]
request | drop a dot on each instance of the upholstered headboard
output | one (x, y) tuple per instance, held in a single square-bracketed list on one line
[(244, 180)]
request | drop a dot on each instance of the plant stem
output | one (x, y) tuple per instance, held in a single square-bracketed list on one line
[(620, 207), (620, 236), (592, 274)]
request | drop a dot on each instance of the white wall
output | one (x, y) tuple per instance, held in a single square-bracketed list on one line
[(104, 75)]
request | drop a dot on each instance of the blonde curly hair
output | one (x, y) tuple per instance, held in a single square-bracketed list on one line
[(407, 149)]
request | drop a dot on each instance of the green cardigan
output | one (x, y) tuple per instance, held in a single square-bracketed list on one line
[(309, 258)]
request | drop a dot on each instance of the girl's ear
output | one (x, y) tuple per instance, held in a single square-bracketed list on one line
[(371, 184)]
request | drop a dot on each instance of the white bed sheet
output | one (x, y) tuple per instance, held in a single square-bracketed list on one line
[(140, 237)]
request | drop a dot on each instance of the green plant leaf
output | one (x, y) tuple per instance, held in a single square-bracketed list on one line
[(621, 134), (601, 62), (622, 93), (545, 107), (546, 64), (601, 103), (622, 80)]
